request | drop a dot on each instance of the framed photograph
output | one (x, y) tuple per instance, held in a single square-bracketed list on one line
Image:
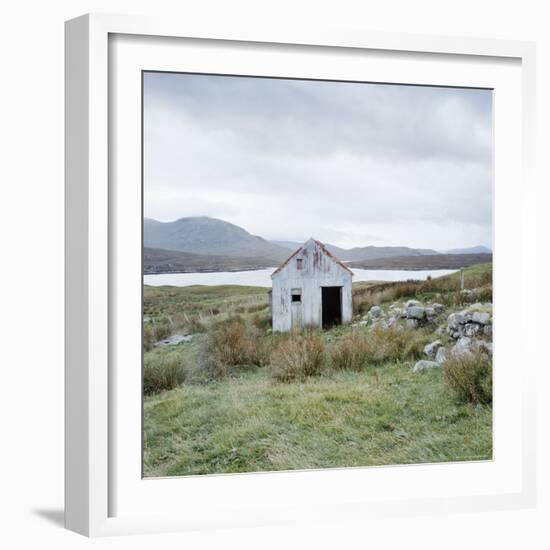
[(294, 276)]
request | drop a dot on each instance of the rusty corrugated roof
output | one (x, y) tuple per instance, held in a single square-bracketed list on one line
[(323, 249)]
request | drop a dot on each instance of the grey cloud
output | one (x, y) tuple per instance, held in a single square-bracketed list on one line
[(321, 157)]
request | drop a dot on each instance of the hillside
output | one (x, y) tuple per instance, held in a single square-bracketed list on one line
[(434, 261), (370, 252), (363, 252), (472, 250), (156, 260), (204, 235)]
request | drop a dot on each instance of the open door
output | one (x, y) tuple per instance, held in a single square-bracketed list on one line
[(331, 305)]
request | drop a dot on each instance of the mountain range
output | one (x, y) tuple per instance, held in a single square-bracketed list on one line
[(201, 243)]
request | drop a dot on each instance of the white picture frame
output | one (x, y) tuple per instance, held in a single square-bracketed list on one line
[(104, 494)]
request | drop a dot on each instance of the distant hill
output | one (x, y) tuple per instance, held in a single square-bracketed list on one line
[(365, 252), (472, 250), (156, 260), (370, 252), (204, 235), (419, 262), (211, 244)]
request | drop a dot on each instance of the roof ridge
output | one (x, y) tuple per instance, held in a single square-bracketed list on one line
[(323, 248)]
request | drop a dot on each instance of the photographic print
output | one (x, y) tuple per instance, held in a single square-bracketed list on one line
[(317, 274)]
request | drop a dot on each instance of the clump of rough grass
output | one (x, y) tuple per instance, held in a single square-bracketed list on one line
[(350, 352), (229, 343), (470, 378), (399, 344), (297, 357), (162, 372), (262, 321), (155, 330), (356, 350)]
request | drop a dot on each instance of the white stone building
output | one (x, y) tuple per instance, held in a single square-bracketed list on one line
[(311, 288)]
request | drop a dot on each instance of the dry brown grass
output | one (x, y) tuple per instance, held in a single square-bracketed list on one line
[(350, 352), (358, 349), (297, 357)]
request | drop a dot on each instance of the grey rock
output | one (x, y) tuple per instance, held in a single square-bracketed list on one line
[(454, 320), (423, 365), (412, 303), (415, 312), (480, 317), (438, 307), (431, 349), (174, 340), (462, 347), (482, 345), (488, 331), (375, 311), (471, 329), (411, 323), (441, 355)]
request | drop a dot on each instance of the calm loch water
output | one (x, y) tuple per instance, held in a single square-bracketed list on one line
[(261, 277)]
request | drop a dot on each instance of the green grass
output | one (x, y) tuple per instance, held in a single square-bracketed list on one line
[(190, 309), (246, 423), (363, 406)]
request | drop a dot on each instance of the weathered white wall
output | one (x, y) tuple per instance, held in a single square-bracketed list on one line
[(318, 270)]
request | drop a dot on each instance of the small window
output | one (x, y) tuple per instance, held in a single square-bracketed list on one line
[(296, 297), (299, 263)]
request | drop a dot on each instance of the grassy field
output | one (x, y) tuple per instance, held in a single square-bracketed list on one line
[(241, 418)]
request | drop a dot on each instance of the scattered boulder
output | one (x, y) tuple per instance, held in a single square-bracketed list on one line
[(471, 329), (174, 340), (416, 312), (375, 311), (441, 355), (412, 303), (431, 349), (423, 365), (462, 347), (481, 317), (438, 308), (488, 331), (470, 322), (411, 323), (482, 345)]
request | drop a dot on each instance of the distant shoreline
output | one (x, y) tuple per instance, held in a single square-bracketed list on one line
[(380, 268), (236, 270)]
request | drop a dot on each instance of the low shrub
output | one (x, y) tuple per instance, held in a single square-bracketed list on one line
[(148, 336), (229, 343), (155, 330), (397, 344), (162, 372), (262, 321), (470, 378), (350, 352), (297, 357)]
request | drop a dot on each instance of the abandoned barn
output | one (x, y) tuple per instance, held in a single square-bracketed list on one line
[(311, 288)]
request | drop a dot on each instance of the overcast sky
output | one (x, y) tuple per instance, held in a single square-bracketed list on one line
[(349, 164)]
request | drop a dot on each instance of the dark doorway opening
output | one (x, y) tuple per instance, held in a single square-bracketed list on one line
[(332, 305)]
